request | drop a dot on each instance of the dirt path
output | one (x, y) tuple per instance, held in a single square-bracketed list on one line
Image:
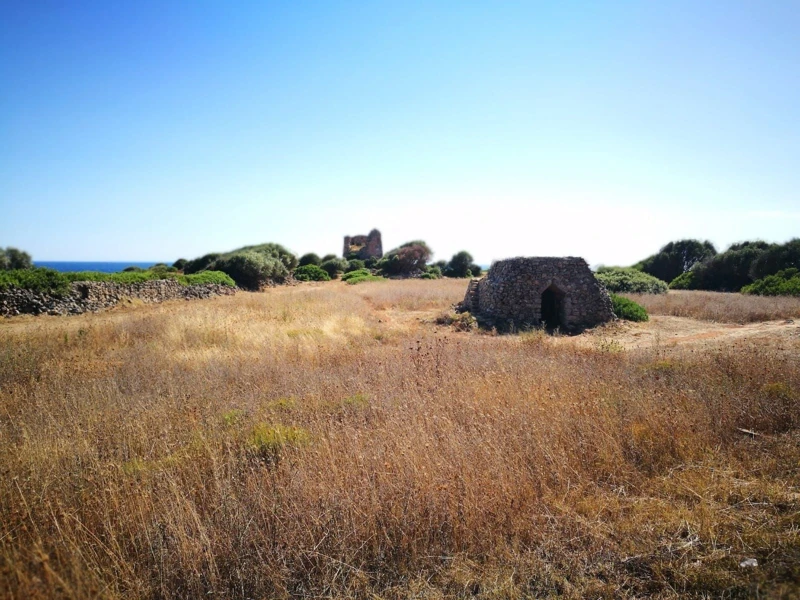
[(673, 331)]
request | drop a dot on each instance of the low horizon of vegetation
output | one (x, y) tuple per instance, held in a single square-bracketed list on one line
[(750, 267)]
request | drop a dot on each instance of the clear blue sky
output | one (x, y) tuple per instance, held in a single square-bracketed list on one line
[(158, 130)]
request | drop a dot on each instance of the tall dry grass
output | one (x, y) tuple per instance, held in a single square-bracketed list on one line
[(300, 443), (720, 307)]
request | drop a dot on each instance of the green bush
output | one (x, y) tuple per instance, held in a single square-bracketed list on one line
[(207, 277), (37, 280), (628, 310), (198, 264), (311, 272), (180, 264), (459, 265), (475, 270), (359, 273), (782, 283), (49, 281), (13, 259), (629, 280), (684, 281), (309, 259), (728, 271), (363, 278), (355, 264), (676, 258), (408, 258), (334, 266), (433, 272), (251, 270), (328, 257)]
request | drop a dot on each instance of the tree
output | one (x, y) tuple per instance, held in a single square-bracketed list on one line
[(334, 266), (777, 257), (12, 258), (409, 258), (459, 265), (676, 258), (180, 263), (310, 259)]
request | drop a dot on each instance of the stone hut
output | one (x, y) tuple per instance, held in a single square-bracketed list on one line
[(539, 291), (363, 246)]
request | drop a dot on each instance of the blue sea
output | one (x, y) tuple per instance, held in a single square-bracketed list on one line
[(102, 267)]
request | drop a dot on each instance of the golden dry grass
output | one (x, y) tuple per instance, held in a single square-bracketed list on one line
[(720, 307), (328, 441)]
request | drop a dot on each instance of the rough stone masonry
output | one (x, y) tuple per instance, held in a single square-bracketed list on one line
[(540, 291), (363, 246)]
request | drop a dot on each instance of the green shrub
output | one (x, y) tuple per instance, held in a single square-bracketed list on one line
[(328, 257), (629, 280), (676, 258), (408, 258), (198, 264), (359, 273), (334, 266), (309, 259), (132, 270), (354, 264), (628, 310), (361, 278), (41, 280), (311, 272), (207, 277), (782, 283), (12, 259), (433, 272), (251, 270), (475, 270), (459, 265), (49, 281), (684, 281), (180, 264)]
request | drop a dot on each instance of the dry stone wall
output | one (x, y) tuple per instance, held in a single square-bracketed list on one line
[(536, 291), (93, 296)]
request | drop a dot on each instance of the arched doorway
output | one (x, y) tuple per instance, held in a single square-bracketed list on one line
[(553, 308)]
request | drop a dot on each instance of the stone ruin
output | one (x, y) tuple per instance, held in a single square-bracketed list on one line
[(363, 247), (539, 291)]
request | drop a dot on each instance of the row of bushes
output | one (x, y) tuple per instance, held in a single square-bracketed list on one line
[(782, 283), (695, 265), (55, 282)]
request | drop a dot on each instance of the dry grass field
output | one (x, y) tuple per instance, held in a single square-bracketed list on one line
[(329, 440)]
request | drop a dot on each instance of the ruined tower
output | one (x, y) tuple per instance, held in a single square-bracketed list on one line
[(363, 246)]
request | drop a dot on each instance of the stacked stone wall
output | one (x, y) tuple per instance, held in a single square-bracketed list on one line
[(93, 296), (512, 292)]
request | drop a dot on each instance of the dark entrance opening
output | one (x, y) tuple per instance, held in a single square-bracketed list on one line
[(552, 308)]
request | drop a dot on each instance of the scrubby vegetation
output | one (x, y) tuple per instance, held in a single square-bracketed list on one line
[(628, 310), (12, 259), (309, 259), (461, 265), (783, 283), (251, 267), (739, 266), (54, 282), (326, 442), (359, 276), (311, 272), (407, 259), (676, 258), (629, 280)]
